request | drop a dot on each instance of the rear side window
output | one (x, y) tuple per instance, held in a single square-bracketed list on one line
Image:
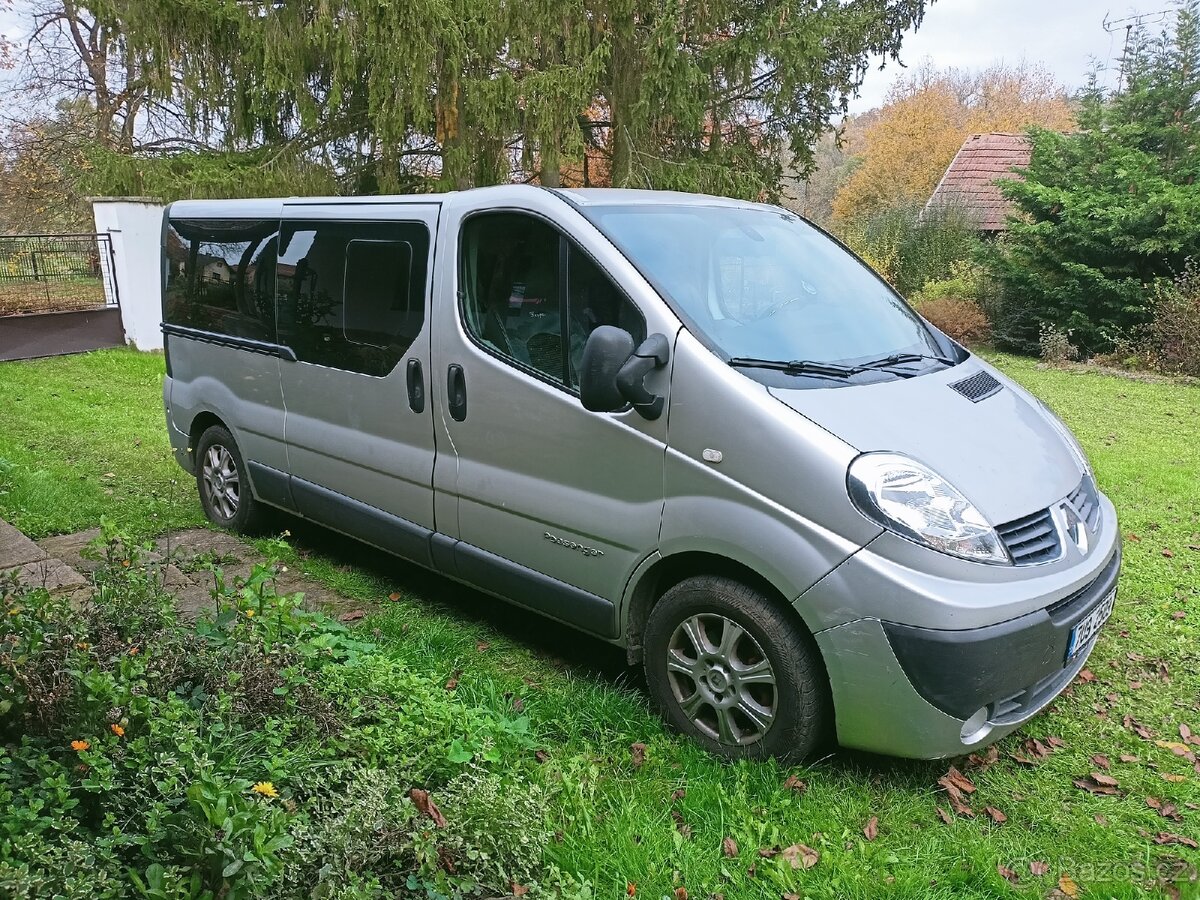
[(352, 295), (531, 296), (221, 276)]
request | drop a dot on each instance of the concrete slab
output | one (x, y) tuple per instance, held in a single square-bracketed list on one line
[(16, 549), (68, 547), (51, 574)]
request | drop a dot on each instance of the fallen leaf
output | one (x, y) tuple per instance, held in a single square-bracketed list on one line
[(680, 825), (1174, 779), (768, 852), (1099, 759), (518, 890), (959, 780), (1165, 809), (1132, 537), (1185, 732), (452, 682), (1037, 867), (445, 860), (1036, 748), (424, 804), (944, 816), (393, 596), (1165, 837), (353, 616), (1128, 758), (638, 753), (998, 817), (1179, 614), (1168, 553), (1023, 760), (630, 889), (1007, 873), (1067, 885), (990, 757), (1101, 820), (800, 856), (1087, 675), (795, 784), (541, 755), (518, 705), (678, 794), (1137, 728), (1175, 747), (482, 646), (957, 801), (681, 893), (871, 831), (729, 847), (1097, 783), (1055, 742)]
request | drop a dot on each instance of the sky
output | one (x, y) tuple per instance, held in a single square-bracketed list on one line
[(1063, 35)]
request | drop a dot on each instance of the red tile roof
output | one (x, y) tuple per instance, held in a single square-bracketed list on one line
[(970, 180)]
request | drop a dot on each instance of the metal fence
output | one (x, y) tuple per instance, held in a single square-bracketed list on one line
[(41, 273)]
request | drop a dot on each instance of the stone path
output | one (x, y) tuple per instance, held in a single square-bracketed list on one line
[(57, 564)]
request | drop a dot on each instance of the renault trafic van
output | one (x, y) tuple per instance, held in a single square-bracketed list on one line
[(698, 428)]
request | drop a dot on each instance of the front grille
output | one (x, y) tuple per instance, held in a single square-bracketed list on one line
[(977, 387), (1031, 539), (1086, 500)]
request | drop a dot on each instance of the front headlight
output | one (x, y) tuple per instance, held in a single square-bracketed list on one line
[(906, 497)]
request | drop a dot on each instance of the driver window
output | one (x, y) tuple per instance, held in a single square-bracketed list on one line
[(533, 297)]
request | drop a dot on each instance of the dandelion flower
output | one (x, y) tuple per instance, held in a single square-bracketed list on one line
[(82, 645), (249, 614), (117, 730), (266, 789), (80, 746), (14, 610), (134, 651)]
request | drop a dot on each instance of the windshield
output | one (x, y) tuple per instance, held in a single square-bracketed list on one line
[(765, 285)]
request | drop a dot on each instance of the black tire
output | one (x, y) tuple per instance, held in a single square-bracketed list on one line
[(239, 511), (727, 715)]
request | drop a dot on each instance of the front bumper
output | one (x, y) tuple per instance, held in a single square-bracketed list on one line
[(906, 690)]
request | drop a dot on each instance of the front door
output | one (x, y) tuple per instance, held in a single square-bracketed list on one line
[(352, 305), (554, 506)]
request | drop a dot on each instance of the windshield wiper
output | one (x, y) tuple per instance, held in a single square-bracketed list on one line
[(898, 358), (796, 366)]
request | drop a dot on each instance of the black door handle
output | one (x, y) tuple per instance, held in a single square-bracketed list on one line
[(416, 386), (456, 388)]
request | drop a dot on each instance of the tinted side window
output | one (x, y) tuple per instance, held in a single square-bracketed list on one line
[(532, 296), (352, 295), (221, 276)]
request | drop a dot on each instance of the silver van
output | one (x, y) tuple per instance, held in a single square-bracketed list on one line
[(698, 428)]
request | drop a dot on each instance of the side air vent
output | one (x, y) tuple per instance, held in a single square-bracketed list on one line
[(1031, 539), (977, 387), (1086, 501)]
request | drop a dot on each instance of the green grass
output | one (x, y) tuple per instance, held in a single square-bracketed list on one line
[(68, 422)]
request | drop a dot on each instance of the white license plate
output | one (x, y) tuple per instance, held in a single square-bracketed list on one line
[(1083, 633)]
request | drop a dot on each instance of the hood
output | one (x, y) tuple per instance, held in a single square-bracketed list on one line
[(1001, 452)]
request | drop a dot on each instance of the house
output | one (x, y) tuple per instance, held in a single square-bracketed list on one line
[(970, 182)]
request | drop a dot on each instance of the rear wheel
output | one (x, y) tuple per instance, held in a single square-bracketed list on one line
[(732, 669), (224, 487)]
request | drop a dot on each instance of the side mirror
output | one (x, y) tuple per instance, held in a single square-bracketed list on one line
[(613, 373), (608, 348)]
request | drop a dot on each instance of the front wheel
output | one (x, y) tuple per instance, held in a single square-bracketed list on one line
[(736, 672), (224, 487)]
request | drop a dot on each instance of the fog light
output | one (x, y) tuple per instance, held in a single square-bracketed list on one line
[(976, 728)]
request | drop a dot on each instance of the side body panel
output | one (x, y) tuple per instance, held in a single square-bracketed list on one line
[(529, 476), (239, 387), (355, 435)]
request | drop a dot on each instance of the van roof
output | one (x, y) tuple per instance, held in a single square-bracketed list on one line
[(272, 207)]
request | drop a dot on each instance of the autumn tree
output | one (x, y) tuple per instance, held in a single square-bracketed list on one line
[(902, 155)]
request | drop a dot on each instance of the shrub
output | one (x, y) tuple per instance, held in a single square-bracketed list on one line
[(1172, 339), (910, 246), (962, 320), (1055, 346), (266, 752)]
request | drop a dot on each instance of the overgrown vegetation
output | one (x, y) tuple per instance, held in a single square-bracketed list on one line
[(661, 824)]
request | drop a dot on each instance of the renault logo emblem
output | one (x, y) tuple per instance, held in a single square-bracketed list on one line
[(1075, 527)]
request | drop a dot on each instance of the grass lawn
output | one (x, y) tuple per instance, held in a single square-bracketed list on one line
[(83, 436)]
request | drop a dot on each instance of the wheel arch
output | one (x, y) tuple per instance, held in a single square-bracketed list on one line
[(668, 571), (200, 424)]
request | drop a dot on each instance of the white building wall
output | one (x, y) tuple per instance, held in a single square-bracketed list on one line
[(135, 226)]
